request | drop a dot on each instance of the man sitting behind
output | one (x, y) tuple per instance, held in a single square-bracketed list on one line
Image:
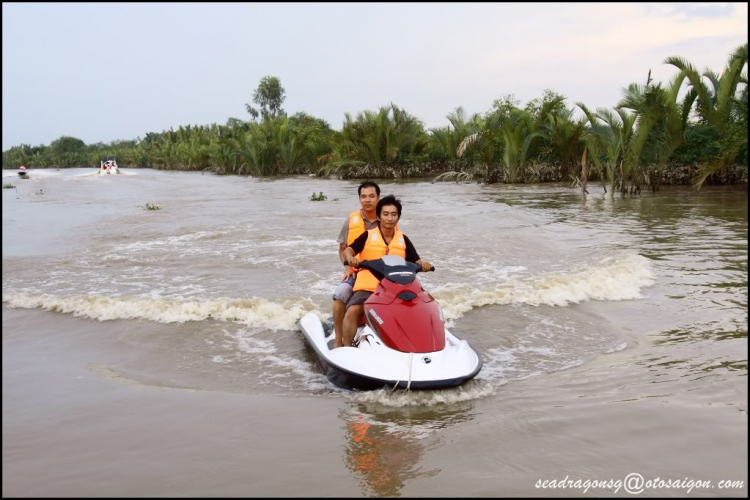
[(374, 244), (357, 223)]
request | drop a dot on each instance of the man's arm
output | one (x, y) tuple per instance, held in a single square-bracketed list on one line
[(348, 255), (413, 256), (343, 236), (355, 248)]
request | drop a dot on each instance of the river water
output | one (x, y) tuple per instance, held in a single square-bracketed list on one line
[(155, 352)]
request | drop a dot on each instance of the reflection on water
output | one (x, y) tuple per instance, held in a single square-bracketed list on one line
[(713, 330), (646, 295), (385, 445)]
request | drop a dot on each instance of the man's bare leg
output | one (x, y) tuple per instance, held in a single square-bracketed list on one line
[(339, 310), (351, 320)]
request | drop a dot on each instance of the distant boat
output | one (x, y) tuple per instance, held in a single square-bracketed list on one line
[(109, 166), (22, 172)]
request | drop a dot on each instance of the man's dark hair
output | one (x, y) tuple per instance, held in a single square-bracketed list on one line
[(368, 184), (388, 201)]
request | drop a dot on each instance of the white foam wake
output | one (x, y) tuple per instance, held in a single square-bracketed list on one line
[(473, 390), (613, 278), (254, 312)]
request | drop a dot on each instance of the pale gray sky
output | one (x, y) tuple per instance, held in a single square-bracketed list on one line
[(108, 71)]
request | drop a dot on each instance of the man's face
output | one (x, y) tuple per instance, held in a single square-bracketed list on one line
[(388, 216), (368, 198)]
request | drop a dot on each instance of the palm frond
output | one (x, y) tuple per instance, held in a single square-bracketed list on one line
[(725, 159), (728, 85), (467, 142), (457, 118), (450, 176), (714, 79)]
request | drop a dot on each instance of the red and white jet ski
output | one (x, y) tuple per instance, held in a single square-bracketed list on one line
[(402, 342)]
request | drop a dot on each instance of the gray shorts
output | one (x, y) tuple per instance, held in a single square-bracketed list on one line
[(358, 298), (344, 291)]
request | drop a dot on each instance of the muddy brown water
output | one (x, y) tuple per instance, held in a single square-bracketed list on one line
[(156, 352)]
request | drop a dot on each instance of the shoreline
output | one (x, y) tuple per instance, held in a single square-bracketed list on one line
[(676, 175)]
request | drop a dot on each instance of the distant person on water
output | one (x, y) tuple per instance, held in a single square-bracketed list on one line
[(373, 244), (355, 224)]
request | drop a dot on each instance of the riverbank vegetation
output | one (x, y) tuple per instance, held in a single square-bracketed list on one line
[(692, 129)]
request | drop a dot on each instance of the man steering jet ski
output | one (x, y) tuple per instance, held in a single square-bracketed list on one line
[(373, 244), (402, 340)]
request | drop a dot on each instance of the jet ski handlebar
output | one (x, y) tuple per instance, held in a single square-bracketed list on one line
[(368, 264)]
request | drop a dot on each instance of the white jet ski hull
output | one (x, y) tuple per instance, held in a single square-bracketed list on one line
[(373, 365)]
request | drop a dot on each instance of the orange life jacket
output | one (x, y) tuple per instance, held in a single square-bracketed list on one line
[(374, 249), (356, 228)]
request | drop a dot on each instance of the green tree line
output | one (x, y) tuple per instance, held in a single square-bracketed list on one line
[(698, 120)]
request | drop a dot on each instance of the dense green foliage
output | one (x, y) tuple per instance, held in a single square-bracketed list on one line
[(693, 129)]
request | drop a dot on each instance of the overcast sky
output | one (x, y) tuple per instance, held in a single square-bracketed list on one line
[(102, 72)]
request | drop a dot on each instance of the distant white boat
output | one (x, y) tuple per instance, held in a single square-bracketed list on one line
[(22, 172), (109, 166)]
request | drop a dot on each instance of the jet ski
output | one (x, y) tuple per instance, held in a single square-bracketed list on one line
[(401, 341)]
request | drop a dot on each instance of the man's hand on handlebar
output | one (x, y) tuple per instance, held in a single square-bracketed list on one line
[(422, 265), (426, 266), (353, 262)]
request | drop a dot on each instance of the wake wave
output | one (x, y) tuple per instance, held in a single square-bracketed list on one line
[(401, 398), (255, 312), (613, 278)]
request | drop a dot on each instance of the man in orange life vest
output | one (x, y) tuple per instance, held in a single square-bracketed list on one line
[(357, 223), (386, 239)]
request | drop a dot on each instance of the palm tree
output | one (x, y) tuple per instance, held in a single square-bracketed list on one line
[(449, 138), (718, 105), (606, 137), (649, 103), (381, 140), (518, 134), (479, 149), (663, 123), (566, 135), (289, 151), (512, 133)]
